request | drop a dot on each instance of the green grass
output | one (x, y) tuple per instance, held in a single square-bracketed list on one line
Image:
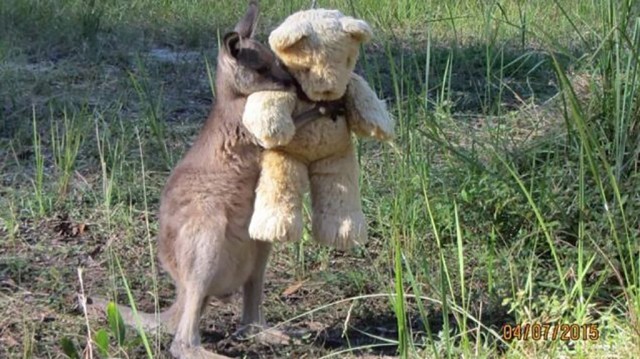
[(510, 195)]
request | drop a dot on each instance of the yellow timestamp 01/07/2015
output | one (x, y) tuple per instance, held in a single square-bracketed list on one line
[(550, 331)]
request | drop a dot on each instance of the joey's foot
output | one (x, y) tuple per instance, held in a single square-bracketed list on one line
[(275, 225), (182, 351), (340, 230), (263, 335)]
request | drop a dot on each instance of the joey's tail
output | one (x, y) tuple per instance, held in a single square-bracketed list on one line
[(166, 320)]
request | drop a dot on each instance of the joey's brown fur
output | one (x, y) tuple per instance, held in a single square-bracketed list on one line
[(207, 202)]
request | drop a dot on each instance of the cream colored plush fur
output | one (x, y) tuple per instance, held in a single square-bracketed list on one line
[(320, 48)]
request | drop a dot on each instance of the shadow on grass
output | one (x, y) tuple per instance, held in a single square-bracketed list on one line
[(377, 333), (474, 78), (42, 65), (370, 332)]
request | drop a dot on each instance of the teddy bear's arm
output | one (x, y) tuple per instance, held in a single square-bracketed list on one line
[(268, 117), (367, 114)]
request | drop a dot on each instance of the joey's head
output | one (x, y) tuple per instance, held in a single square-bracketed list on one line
[(245, 65)]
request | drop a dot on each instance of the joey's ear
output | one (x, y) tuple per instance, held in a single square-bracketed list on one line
[(284, 40), (358, 29), (247, 25), (230, 43)]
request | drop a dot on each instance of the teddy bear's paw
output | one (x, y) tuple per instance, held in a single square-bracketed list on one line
[(279, 136), (274, 226), (267, 116), (340, 231)]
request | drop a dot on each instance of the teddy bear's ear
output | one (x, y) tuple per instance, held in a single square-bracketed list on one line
[(283, 41), (358, 29)]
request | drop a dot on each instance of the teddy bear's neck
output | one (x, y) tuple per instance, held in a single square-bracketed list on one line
[(300, 92), (331, 109)]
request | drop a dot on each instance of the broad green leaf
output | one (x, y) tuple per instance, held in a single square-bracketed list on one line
[(101, 339), (69, 348), (116, 323)]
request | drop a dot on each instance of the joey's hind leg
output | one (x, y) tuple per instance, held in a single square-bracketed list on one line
[(277, 214), (252, 290), (186, 343), (337, 219), (197, 269), (253, 322)]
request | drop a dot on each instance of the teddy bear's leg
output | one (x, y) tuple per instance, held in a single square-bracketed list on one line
[(277, 214), (338, 220)]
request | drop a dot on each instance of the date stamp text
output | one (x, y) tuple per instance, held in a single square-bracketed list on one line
[(550, 331)]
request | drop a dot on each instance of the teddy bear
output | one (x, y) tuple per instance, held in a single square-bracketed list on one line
[(319, 47)]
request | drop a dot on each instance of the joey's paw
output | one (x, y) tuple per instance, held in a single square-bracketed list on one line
[(272, 225), (341, 231)]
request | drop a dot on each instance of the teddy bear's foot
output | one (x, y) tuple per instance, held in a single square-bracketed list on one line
[(342, 232), (274, 226)]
